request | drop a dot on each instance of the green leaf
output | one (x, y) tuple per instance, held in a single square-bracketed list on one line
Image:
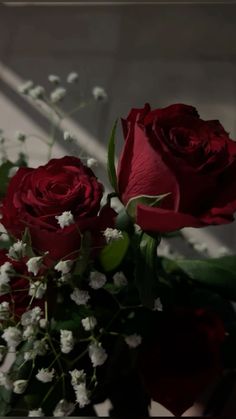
[(111, 158), (148, 200), (146, 269), (4, 177), (113, 253), (218, 274)]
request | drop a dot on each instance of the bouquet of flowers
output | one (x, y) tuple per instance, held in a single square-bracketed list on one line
[(89, 307)]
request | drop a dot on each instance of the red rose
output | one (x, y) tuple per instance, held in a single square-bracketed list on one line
[(183, 358), (36, 196), (172, 150)]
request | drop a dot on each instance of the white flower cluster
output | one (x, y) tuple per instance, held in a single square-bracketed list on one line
[(66, 341), (17, 250), (5, 271), (80, 297), (133, 340), (65, 219), (97, 354), (68, 137), (37, 289), (37, 92), (40, 347), (19, 386), (25, 87), (89, 323), (12, 336), (34, 264), (112, 234), (120, 280), (64, 266), (36, 413), (72, 77), (78, 382), (97, 280), (53, 78), (45, 375), (31, 317), (4, 310), (92, 162)]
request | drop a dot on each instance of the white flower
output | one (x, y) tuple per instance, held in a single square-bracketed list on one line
[(77, 376), (63, 408), (20, 136), (37, 289), (92, 162), (30, 332), (97, 280), (37, 92), (34, 264), (133, 340), (65, 219), (68, 136), (45, 375), (158, 305), (99, 93), (5, 271), (64, 266), (31, 316), (19, 386), (72, 77), (5, 381), (53, 78), (4, 310), (82, 394), (80, 297), (43, 323), (12, 336), (24, 88), (36, 413), (97, 354), (17, 250), (13, 171), (112, 234), (40, 347), (66, 340), (58, 94), (89, 323), (120, 280)]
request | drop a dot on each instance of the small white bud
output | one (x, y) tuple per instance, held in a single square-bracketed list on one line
[(92, 162), (65, 219), (24, 88), (31, 317), (19, 386), (89, 323), (77, 376), (58, 94), (133, 340), (72, 77), (99, 93), (37, 92), (53, 78), (68, 136)]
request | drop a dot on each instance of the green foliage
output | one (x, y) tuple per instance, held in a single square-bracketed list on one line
[(146, 268), (114, 252), (4, 177), (217, 274), (111, 159), (148, 200)]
